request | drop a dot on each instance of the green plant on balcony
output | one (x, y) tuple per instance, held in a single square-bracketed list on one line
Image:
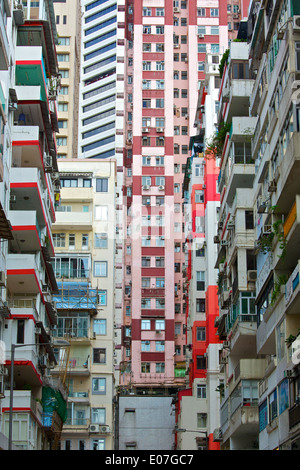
[(280, 281), (265, 242), (289, 340), (223, 61), (215, 145)]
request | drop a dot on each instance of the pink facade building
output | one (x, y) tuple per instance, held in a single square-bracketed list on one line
[(167, 43)]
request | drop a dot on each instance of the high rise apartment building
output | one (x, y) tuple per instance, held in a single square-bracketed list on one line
[(84, 268), (33, 405), (164, 69), (68, 25), (257, 255), (196, 420)]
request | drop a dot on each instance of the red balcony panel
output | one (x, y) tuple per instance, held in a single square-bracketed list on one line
[(152, 356), (169, 332), (150, 38), (157, 170), (155, 272), (136, 185), (169, 185), (135, 329), (154, 251), (154, 292), (153, 93), (152, 313), (148, 112)]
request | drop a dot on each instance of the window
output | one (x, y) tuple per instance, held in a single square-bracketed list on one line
[(145, 261), (201, 420), (200, 11), (71, 241), (160, 282), (145, 325), (102, 297), (61, 141), (200, 333), (146, 303), (273, 412), (102, 185), (146, 66), (64, 90), (160, 367), (145, 367), (214, 12), (100, 268), (98, 415), (200, 279), (20, 331), (99, 355), (101, 213), (214, 30), (84, 241), (160, 241), (146, 11), (201, 391), (98, 444), (201, 362), (100, 326), (100, 240), (160, 12), (145, 346), (200, 305), (159, 303), (160, 29), (159, 325), (59, 240), (99, 385), (63, 57)]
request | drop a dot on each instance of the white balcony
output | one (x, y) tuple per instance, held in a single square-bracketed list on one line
[(73, 220), (23, 273), (26, 186)]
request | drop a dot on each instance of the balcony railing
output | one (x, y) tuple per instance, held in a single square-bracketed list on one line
[(294, 415)]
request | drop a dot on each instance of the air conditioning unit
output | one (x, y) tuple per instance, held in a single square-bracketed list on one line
[(145, 129), (217, 435), (38, 331), (104, 429), (267, 229), (296, 22), (94, 428), (272, 186), (161, 187), (226, 344), (159, 129), (252, 275), (224, 243), (200, 36), (231, 224), (176, 10), (223, 360), (216, 239), (261, 205), (146, 187)]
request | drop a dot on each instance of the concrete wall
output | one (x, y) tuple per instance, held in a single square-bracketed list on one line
[(150, 426)]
